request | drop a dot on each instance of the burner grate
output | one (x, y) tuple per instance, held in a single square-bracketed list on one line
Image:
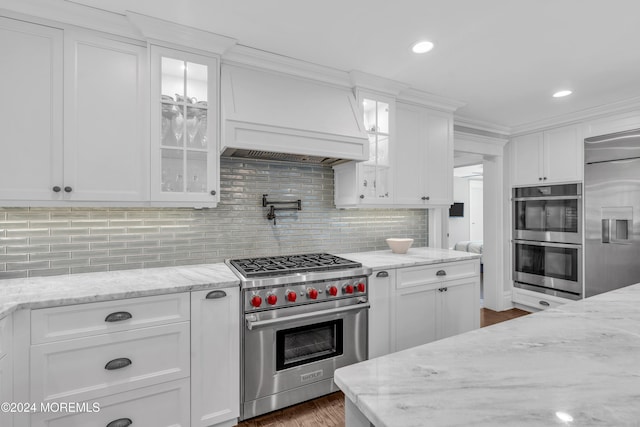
[(283, 265)]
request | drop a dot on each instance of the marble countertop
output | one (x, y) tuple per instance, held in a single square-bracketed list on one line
[(415, 256), (39, 292), (579, 360)]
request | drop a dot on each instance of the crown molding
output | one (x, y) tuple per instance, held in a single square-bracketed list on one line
[(64, 14), (481, 125), (167, 33), (367, 81), (484, 139), (579, 116), (260, 59), (426, 99)]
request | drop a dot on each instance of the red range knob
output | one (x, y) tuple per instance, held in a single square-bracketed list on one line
[(313, 293), (256, 301), (347, 289), (361, 287), (333, 291), (272, 299), (291, 296)]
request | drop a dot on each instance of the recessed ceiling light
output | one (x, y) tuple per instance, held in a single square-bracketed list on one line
[(562, 93), (422, 47)]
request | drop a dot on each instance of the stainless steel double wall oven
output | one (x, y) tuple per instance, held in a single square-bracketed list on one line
[(547, 245), (303, 316)]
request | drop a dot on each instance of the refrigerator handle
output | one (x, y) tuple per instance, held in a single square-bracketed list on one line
[(606, 230)]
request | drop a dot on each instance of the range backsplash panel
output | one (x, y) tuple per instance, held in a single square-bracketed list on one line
[(54, 241)]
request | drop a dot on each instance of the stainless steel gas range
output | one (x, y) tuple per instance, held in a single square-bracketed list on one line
[(303, 316)]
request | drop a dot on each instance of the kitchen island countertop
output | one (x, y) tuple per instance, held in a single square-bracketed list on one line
[(576, 364)]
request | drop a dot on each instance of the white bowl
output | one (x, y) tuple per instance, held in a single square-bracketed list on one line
[(399, 246)]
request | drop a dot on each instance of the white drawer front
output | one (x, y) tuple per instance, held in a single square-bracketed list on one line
[(82, 320), (158, 406), (76, 369), (536, 300), (422, 275), (6, 335)]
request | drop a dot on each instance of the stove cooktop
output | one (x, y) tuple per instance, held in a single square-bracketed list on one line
[(291, 264)]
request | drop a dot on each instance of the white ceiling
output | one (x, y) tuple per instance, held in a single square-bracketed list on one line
[(503, 58)]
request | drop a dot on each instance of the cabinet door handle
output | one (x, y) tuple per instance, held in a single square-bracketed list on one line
[(213, 192), (68, 189), (424, 198), (119, 363), (216, 295), (362, 196), (122, 422), (427, 197), (441, 273), (446, 289), (118, 316), (539, 178), (546, 304), (382, 274), (544, 178), (56, 189)]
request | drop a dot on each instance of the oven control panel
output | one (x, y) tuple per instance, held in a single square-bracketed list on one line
[(258, 299)]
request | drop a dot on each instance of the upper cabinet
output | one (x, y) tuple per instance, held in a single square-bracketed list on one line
[(80, 133), (370, 183), (552, 156), (184, 128), (424, 157), (31, 148)]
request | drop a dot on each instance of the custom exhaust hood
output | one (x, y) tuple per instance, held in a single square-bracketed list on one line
[(271, 116)]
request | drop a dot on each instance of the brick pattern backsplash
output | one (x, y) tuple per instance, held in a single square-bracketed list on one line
[(54, 241)]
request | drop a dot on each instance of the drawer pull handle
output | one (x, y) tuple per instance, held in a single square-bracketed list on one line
[(120, 363), (382, 274), (216, 295), (122, 422), (118, 316), (441, 273), (546, 304)]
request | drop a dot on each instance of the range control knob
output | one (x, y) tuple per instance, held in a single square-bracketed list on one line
[(272, 299), (332, 290), (256, 301), (347, 289), (361, 287), (313, 293), (291, 296)]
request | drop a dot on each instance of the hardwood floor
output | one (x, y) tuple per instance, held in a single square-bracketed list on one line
[(328, 411)]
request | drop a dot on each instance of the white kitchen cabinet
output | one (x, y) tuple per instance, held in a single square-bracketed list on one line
[(382, 284), (215, 357), (552, 156), (370, 183), (105, 138), (424, 157), (31, 111), (536, 301), (184, 128), (434, 302), (91, 90), (6, 368)]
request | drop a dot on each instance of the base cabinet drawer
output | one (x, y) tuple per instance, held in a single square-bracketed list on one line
[(88, 368), (165, 405), (536, 300), (82, 320), (422, 275)]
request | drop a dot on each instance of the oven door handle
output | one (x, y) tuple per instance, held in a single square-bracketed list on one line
[(548, 244), (253, 324), (545, 198)]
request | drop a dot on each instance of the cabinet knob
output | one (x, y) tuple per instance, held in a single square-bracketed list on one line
[(539, 178), (544, 178), (122, 422), (120, 363), (68, 189), (427, 198), (362, 196), (216, 295), (213, 192), (56, 189)]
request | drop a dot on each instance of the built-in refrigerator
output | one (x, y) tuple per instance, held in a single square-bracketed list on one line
[(612, 212)]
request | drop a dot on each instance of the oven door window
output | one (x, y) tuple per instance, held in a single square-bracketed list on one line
[(549, 261), (547, 215), (309, 343)]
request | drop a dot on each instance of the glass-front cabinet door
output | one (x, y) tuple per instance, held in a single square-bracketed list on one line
[(184, 128), (374, 177)]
